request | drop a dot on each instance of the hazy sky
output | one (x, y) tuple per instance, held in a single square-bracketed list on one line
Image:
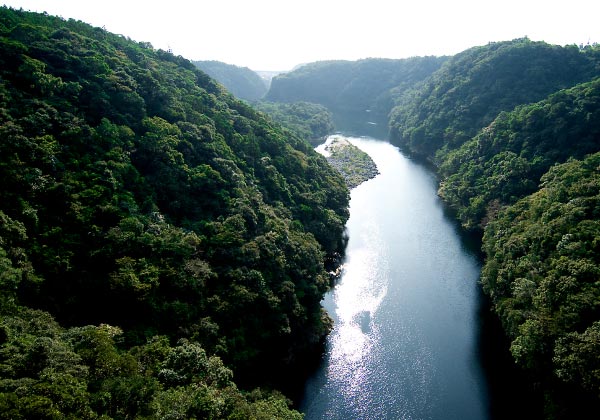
[(278, 34)]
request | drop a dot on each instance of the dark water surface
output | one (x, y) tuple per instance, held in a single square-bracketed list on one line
[(406, 309)]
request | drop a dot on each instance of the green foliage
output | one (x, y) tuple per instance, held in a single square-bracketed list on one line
[(542, 271), (494, 120), (142, 205), (473, 87), (309, 121), (82, 372), (505, 161), (349, 87), (139, 197), (576, 358), (240, 81), (41, 375)]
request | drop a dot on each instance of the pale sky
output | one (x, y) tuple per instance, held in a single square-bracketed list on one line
[(278, 34)]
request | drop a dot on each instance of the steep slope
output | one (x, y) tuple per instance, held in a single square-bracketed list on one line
[(139, 196), (242, 82), (310, 121), (473, 87), (349, 88), (538, 220), (542, 269), (505, 161)]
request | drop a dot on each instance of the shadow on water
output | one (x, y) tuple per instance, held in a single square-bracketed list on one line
[(362, 124), (511, 393)]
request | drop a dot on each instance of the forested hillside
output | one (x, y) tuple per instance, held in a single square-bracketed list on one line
[(351, 87), (473, 87), (496, 120), (505, 161), (513, 129), (241, 81), (542, 272), (307, 120), (310, 121), (157, 235)]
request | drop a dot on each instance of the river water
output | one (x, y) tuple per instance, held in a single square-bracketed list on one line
[(406, 338)]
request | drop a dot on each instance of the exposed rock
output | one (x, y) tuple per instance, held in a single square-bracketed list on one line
[(355, 165)]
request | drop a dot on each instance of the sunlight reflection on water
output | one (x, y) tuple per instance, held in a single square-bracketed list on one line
[(404, 333), (363, 290)]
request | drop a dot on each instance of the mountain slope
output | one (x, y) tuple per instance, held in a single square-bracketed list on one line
[(142, 198), (350, 88), (473, 87), (516, 166), (242, 82), (541, 270), (505, 161), (310, 121)]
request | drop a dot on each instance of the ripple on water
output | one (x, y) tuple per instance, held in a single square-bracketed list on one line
[(400, 348)]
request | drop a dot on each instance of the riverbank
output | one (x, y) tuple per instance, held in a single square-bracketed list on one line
[(355, 165), (405, 308)]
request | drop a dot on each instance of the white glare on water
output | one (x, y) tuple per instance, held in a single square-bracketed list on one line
[(362, 290), (356, 305), (404, 338)]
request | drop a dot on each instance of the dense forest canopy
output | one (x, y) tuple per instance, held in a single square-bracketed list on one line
[(240, 81), (505, 161), (160, 239), (473, 87), (542, 271), (156, 232), (349, 87), (310, 121), (496, 120)]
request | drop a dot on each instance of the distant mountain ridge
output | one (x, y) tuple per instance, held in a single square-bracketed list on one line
[(360, 91), (474, 86), (513, 130), (240, 81), (268, 75)]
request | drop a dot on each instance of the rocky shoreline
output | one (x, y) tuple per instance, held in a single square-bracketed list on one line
[(355, 165)]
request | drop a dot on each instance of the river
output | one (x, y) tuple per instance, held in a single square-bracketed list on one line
[(406, 341)]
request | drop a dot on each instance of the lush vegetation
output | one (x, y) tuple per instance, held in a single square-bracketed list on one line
[(157, 235), (351, 87), (49, 372), (473, 87), (505, 161), (310, 121), (511, 128), (542, 272), (496, 120), (240, 81)]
